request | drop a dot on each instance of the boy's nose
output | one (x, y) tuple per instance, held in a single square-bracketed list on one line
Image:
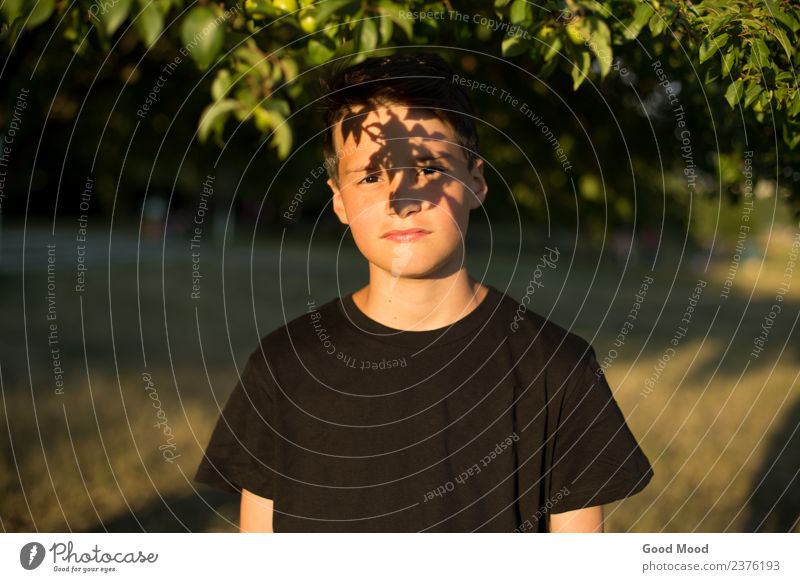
[(404, 197), (403, 207)]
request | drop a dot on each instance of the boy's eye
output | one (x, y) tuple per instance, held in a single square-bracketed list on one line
[(367, 177), (434, 168)]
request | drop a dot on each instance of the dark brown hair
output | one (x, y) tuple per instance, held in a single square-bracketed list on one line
[(419, 79)]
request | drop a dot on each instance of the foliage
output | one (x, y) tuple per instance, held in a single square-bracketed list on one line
[(743, 50)]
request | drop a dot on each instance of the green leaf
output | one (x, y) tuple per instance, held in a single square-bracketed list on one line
[(553, 49), (213, 118), (318, 52), (734, 93), (579, 72), (764, 99), (281, 131), (641, 17), (325, 10), (278, 105), (520, 12), (716, 23), (285, 6), (276, 74), (40, 12), (600, 7), (753, 91), (783, 40), (728, 60), (244, 95), (111, 14), (202, 36), (10, 34), (149, 23), (252, 55), (367, 35), (385, 29), (784, 18), (600, 44), (259, 9), (397, 13), (12, 9), (548, 68), (221, 85), (513, 46), (794, 109), (791, 137), (290, 69), (759, 53), (656, 24), (781, 98), (710, 46)]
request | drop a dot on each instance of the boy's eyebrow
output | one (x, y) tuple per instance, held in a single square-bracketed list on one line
[(438, 156), (354, 170), (421, 158)]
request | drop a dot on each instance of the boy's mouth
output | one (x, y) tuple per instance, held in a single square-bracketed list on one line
[(408, 235)]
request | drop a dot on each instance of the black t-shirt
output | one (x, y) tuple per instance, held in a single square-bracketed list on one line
[(484, 425)]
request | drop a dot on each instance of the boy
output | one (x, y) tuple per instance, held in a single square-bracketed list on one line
[(423, 401)]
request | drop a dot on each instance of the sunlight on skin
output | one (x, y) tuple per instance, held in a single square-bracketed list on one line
[(587, 520), (255, 513)]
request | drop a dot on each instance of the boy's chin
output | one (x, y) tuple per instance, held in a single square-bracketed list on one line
[(415, 261), (414, 270), (407, 272)]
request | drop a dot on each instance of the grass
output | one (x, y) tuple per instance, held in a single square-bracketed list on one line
[(719, 428)]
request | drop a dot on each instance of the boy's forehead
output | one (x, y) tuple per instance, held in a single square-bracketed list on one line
[(398, 129)]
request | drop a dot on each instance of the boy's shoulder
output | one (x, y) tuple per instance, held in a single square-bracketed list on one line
[(526, 321), (294, 335), (527, 326)]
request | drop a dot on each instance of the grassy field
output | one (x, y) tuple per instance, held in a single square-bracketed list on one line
[(719, 427)]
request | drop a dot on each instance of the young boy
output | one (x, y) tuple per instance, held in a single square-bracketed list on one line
[(422, 401)]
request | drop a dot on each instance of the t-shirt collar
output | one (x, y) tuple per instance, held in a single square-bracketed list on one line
[(470, 323)]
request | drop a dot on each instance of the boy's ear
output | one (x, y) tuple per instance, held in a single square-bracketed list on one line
[(338, 204), (479, 185)]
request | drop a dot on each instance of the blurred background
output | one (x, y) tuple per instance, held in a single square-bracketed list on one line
[(622, 144)]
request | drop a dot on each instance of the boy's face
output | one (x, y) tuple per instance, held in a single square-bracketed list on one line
[(400, 168)]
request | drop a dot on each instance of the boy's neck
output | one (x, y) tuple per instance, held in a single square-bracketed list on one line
[(419, 304)]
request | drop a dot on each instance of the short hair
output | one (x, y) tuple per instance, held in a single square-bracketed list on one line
[(420, 79)]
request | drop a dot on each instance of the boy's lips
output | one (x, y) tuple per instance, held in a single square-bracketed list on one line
[(406, 235)]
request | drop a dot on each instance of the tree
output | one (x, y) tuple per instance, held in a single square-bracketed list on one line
[(732, 63)]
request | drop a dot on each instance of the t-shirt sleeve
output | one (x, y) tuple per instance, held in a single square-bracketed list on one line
[(241, 451), (596, 458)]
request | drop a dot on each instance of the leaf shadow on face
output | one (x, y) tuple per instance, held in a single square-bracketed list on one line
[(396, 154)]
